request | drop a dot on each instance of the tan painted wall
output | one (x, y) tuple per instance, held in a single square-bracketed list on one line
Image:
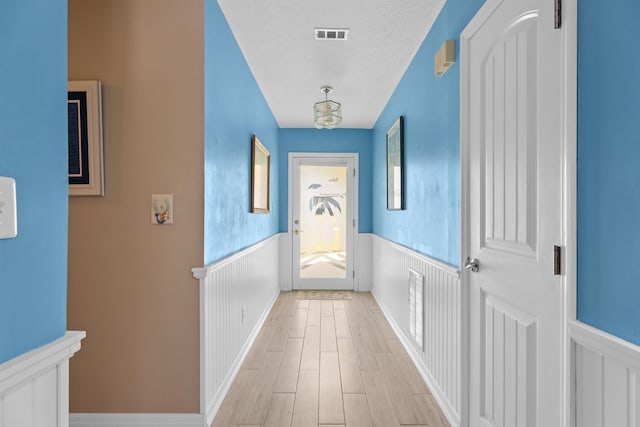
[(130, 285)]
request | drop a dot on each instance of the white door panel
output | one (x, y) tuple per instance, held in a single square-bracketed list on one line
[(515, 189)]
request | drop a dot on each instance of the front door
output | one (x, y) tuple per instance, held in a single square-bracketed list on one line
[(323, 222), (515, 214)]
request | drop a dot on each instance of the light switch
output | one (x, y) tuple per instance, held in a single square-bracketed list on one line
[(8, 217)]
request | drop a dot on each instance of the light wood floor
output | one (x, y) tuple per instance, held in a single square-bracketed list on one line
[(328, 363)]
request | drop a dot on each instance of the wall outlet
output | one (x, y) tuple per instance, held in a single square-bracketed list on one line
[(244, 314), (8, 211)]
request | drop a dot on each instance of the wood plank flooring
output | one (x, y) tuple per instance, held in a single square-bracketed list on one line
[(328, 363)]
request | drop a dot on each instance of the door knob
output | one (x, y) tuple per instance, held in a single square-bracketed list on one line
[(472, 264), (297, 232)]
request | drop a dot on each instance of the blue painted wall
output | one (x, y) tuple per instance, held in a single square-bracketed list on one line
[(609, 167), (328, 141), (234, 110), (431, 108), (33, 150)]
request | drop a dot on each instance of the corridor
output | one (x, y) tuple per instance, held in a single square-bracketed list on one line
[(328, 363)]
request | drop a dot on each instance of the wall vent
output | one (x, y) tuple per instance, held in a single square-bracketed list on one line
[(332, 33)]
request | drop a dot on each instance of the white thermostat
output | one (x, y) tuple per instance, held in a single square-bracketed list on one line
[(8, 213)]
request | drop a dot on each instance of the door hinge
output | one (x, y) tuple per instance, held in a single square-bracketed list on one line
[(354, 274), (557, 260), (354, 223), (354, 172), (557, 14)]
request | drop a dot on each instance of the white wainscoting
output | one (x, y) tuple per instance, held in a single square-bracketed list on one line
[(247, 282), (440, 362), (606, 381), (34, 387)]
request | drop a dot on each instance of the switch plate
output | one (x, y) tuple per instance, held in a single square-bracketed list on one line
[(8, 217)]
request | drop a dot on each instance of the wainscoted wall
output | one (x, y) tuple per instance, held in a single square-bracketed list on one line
[(607, 380), (34, 387), (236, 295), (440, 362)]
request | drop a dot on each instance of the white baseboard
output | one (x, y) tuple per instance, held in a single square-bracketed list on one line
[(136, 420), (438, 394)]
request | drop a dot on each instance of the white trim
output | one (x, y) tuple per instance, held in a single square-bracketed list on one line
[(436, 391), (465, 220), (604, 378), (349, 157), (201, 272), (605, 344), (448, 268), (37, 384), (136, 420), (569, 189), (24, 367)]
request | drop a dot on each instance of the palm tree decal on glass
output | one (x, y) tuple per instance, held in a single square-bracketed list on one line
[(324, 203)]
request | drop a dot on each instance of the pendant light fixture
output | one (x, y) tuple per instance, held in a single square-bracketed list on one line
[(327, 114)]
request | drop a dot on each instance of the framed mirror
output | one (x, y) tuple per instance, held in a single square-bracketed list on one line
[(395, 165), (260, 164)]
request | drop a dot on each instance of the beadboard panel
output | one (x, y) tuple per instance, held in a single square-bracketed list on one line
[(440, 361), (34, 387), (607, 383), (236, 295)]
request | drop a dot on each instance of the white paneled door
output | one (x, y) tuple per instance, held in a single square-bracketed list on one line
[(323, 205), (514, 143)]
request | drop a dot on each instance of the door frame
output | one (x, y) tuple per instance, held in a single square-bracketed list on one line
[(286, 252), (569, 38)]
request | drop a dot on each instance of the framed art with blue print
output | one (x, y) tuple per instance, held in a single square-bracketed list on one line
[(86, 172)]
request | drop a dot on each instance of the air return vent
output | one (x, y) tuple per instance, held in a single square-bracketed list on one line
[(332, 33)]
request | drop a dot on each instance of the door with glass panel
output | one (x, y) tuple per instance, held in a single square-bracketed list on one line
[(322, 220)]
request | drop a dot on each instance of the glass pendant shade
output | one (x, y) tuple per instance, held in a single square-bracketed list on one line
[(327, 114)]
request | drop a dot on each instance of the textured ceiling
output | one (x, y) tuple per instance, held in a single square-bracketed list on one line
[(277, 40)]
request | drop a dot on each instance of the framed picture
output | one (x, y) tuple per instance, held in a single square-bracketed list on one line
[(84, 101), (395, 166), (260, 164)]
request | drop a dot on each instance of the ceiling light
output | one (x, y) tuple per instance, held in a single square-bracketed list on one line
[(327, 114)]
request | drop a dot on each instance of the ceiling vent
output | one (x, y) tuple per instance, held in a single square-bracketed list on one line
[(332, 33)]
